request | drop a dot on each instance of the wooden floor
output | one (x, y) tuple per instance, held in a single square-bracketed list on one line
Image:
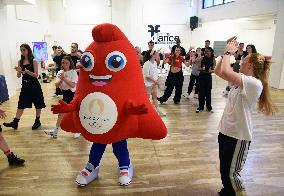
[(184, 163)]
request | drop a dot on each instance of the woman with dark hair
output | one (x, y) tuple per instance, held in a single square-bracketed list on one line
[(249, 50), (31, 92), (175, 77), (66, 80), (205, 80), (250, 89)]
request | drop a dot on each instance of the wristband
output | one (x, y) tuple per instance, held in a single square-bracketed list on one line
[(227, 53)]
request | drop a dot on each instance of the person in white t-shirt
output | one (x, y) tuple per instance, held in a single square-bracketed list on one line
[(66, 80), (150, 73), (250, 88)]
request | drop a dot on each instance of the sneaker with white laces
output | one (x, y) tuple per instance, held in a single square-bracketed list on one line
[(160, 112), (125, 175), (53, 133), (77, 135), (198, 110), (87, 175)]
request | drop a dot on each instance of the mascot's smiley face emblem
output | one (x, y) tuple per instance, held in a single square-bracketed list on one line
[(98, 113)]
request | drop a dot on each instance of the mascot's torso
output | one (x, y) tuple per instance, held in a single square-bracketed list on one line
[(110, 93), (98, 113)]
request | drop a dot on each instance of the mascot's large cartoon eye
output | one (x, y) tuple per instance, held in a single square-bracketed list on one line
[(115, 61), (87, 61)]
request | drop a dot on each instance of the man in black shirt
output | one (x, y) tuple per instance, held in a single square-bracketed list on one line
[(75, 54), (182, 50), (58, 58), (238, 56), (151, 45), (207, 45)]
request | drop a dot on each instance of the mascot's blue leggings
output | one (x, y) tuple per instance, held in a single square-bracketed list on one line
[(119, 149)]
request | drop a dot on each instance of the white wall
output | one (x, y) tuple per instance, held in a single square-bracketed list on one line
[(20, 24), (259, 32), (132, 16), (74, 23), (277, 68), (238, 9), (173, 16)]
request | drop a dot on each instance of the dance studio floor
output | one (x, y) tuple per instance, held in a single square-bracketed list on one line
[(184, 163)]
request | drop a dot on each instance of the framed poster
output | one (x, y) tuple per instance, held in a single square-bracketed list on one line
[(40, 51)]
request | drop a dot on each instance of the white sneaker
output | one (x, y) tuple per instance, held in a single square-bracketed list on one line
[(87, 175), (186, 95), (125, 175), (77, 135), (160, 112), (195, 96), (53, 133)]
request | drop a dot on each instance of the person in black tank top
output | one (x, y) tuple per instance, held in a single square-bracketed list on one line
[(205, 80), (31, 92)]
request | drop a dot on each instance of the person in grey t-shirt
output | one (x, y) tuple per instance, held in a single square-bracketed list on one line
[(195, 60)]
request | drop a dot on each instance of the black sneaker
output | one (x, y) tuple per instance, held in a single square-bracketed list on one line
[(160, 100), (14, 160), (176, 102), (13, 124), (211, 111), (36, 125)]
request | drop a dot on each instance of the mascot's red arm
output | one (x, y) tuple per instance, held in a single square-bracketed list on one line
[(131, 109), (63, 107)]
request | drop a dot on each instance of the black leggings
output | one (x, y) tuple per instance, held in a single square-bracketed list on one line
[(205, 86), (194, 80)]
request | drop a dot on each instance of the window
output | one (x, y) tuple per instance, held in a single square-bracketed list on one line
[(212, 3), (207, 3), (218, 2)]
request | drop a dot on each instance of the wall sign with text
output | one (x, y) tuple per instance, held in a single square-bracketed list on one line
[(159, 37)]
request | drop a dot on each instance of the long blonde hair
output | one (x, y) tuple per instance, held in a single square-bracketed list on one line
[(261, 68)]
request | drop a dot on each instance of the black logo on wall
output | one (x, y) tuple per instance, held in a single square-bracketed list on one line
[(159, 37)]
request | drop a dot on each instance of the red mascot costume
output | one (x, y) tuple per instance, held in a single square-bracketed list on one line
[(110, 103)]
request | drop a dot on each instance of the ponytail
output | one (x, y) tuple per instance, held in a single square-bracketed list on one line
[(261, 70)]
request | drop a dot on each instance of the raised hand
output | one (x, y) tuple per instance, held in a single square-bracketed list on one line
[(231, 39), (232, 45), (191, 48), (61, 76), (18, 69)]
